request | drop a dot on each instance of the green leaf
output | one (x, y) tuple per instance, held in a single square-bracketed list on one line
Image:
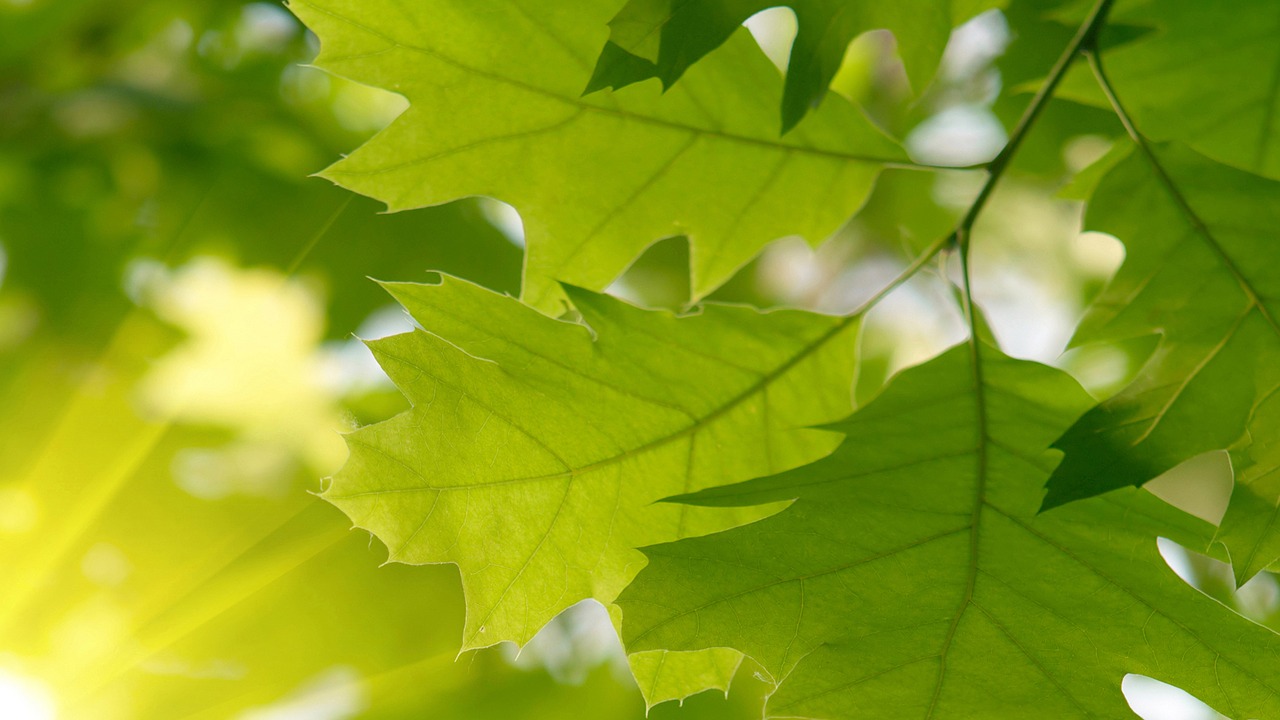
[(913, 576), (1250, 529), (496, 110), (1199, 271), (665, 38), (665, 675), (536, 448), (1207, 75)]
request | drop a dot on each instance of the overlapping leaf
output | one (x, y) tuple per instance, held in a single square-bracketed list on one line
[(496, 109), (535, 448), (913, 576), (1206, 74), (664, 38), (1200, 271)]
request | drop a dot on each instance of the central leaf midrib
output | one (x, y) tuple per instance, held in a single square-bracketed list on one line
[(1202, 229), (1175, 193), (654, 444), (979, 501)]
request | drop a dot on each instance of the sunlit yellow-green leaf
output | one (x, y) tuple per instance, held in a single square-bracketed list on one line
[(496, 109), (536, 447)]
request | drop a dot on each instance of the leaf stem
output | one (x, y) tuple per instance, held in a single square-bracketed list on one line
[(1085, 39), (1084, 42)]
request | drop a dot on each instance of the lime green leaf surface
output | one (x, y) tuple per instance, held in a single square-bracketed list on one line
[(664, 38), (666, 675), (1207, 74), (1199, 270), (536, 448), (496, 110), (913, 577)]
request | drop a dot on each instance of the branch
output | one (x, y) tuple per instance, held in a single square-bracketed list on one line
[(1085, 39)]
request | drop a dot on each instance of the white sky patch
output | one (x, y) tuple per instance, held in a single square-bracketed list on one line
[(958, 136), (23, 698), (1154, 700), (505, 218), (775, 31), (577, 641), (349, 366)]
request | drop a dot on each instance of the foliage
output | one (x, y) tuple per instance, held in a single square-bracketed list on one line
[(889, 497), (513, 436), (949, 597), (1199, 242), (599, 178), (913, 571)]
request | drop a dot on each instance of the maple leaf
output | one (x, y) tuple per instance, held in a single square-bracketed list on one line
[(914, 577), (664, 38), (1199, 271), (496, 110), (535, 447), (1182, 79)]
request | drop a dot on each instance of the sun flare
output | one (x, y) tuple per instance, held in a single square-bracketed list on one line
[(23, 698)]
